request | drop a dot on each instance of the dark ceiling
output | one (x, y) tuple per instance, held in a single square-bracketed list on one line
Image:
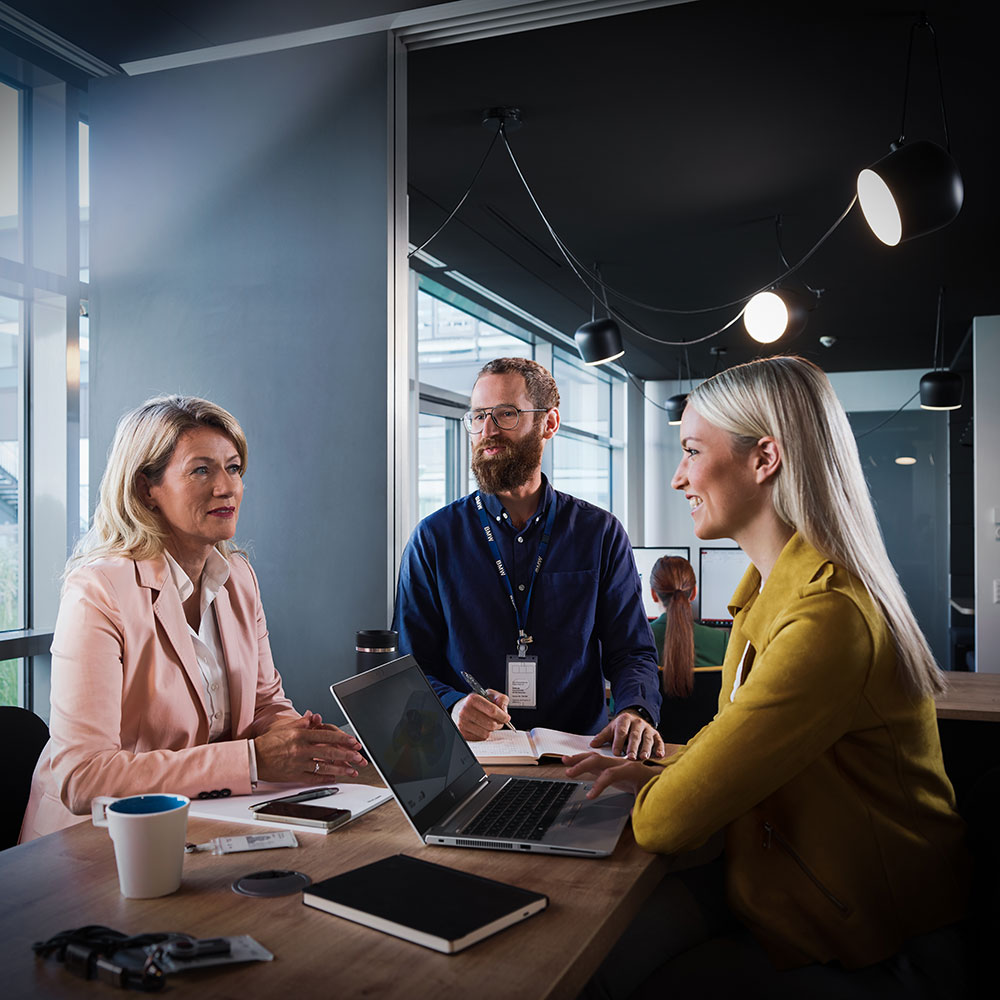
[(664, 144)]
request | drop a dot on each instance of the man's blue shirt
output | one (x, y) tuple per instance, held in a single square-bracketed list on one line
[(586, 616)]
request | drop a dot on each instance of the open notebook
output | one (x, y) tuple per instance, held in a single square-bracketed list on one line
[(506, 746)]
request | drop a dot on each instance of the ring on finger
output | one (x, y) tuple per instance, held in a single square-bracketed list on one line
[(316, 768)]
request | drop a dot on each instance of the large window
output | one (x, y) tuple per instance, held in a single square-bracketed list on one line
[(44, 341), (10, 172), (587, 457), (453, 343)]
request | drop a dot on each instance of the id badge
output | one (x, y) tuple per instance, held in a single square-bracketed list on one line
[(522, 673)]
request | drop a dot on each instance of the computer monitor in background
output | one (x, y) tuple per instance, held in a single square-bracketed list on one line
[(644, 561), (719, 572)]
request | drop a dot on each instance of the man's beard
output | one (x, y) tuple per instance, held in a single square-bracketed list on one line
[(510, 468)]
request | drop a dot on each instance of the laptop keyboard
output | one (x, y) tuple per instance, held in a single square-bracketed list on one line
[(522, 810)]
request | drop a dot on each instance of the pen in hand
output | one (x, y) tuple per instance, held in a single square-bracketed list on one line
[(481, 691)]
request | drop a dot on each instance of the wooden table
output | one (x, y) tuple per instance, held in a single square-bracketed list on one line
[(970, 696), (68, 880)]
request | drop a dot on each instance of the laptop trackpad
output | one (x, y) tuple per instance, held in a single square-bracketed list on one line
[(605, 814)]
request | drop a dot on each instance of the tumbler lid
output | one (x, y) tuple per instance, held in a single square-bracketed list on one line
[(376, 640)]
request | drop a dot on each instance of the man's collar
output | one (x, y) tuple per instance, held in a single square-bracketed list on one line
[(496, 509)]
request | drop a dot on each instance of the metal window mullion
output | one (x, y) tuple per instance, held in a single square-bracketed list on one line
[(24, 411)]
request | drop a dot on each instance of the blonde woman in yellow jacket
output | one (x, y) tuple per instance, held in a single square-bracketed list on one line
[(844, 867)]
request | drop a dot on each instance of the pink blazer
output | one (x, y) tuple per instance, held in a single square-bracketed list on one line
[(128, 702)]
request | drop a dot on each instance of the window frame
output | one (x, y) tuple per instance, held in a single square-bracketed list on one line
[(46, 282)]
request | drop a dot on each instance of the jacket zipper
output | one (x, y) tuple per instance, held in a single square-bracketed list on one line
[(769, 833)]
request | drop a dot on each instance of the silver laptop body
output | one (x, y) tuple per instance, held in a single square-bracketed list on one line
[(410, 738)]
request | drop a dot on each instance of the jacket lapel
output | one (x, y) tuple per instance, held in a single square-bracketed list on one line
[(154, 574), (798, 561), (229, 634)]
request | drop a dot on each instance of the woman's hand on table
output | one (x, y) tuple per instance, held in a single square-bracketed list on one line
[(307, 749)]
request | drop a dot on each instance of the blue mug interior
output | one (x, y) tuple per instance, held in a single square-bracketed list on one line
[(139, 805)]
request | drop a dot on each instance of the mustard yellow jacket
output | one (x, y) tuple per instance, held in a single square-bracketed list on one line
[(842, 839)]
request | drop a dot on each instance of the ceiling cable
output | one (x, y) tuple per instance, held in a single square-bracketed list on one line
[(579, 269), (461, 201), (583, 273), (858, 437)]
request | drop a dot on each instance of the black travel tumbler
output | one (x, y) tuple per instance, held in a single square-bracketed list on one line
[(374, 646)]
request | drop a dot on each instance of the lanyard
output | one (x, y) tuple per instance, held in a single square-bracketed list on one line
[(522, 638)]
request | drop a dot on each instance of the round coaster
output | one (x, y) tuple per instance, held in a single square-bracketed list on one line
[(273, 882)]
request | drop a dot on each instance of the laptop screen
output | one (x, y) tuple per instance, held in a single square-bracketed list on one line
[(410, 737)]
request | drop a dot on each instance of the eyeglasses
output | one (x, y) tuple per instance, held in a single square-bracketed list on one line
[(504, 415)]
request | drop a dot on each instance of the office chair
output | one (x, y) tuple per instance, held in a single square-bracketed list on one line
[(681, 718), (22, 736)]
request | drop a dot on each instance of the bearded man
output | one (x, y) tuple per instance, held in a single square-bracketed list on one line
[(532, 591)]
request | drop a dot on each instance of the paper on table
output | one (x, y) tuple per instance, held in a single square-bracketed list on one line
[(523, 748), (505, 743), (236, 808)]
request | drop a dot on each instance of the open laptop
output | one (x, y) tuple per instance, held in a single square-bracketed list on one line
[(446, 795)]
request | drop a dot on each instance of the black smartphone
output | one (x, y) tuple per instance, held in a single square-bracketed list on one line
[(304, 814)]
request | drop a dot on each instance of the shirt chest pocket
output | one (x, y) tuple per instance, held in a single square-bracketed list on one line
[(565, 602)]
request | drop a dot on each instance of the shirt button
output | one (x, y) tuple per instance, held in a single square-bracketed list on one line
[(498, 517), (218, 715), (520, 539), (215, 687), (505, 515), (520, 586)]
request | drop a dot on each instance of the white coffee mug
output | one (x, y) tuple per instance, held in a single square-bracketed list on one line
[(149, 832)]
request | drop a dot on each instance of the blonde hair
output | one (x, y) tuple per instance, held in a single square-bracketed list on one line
[(144, 444), (820, 489)]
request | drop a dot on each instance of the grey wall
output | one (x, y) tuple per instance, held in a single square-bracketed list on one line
[(986, 365), (239, 253)]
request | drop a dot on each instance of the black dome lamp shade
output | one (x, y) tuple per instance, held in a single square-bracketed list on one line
[(599, 341), (772, 314), (675, 408), (910, 192), (941, 390), (916, 187)]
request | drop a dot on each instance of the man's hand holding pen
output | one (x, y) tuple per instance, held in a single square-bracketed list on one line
[(482, 712)]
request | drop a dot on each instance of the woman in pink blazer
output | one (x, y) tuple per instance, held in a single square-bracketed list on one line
[(162, 679)]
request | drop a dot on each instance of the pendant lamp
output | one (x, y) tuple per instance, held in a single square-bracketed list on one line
[(600, 340), (916, 187), (770, 315), (675, 408), (940, 389), (910, 192)]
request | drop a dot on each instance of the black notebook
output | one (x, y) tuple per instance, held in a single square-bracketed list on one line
[(429, 904)]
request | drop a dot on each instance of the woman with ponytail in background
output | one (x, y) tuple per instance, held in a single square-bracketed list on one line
[(682, 644)]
